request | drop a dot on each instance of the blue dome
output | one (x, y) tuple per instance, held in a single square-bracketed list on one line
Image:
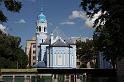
[(42, 17)]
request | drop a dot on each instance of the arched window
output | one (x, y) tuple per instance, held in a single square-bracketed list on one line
[(39, 28), (44, 29)]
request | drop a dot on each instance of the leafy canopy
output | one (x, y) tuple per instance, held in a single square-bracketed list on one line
[(11, 5), (108, 38), (11, 54), (85, 51)]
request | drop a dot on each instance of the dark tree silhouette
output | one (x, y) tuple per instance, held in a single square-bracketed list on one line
[(86, 52), (108, 38), (11, 5), (11, 54)]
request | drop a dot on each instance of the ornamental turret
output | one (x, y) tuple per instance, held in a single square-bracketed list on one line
[(41, 35)]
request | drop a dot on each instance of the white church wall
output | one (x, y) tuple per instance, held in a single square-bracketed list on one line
[(74, 56), (60, 57), (67, 60), (43, 52), (71, 57), (48, 55), (41, 38)]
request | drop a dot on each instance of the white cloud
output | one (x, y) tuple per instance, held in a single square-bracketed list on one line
[(77, 14), (89, 22), (67, 22), (3, 28), (21, 21), (82, 15)]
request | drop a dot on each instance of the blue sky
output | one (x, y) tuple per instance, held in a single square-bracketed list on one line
[(64, 14)]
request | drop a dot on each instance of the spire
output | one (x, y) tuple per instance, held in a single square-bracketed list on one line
[(41, 9), (42, 6), (41, 16)]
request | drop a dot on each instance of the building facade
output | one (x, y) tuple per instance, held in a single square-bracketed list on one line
[(31, 51), (31, 45), (52, 50)]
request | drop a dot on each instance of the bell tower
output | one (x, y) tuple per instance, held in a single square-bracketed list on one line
[(41, 35)]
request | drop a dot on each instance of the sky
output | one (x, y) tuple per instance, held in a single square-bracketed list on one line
[(67, 15)]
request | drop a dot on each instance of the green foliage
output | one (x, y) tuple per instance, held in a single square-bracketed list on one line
[(3, 18), (11, 5), (86, 51), (11, 55), (22, 58), (108, 38), (108, 8)]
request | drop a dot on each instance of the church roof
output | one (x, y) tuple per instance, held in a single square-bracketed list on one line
[(70, 41), (40, 64), (60, 43), (59, 33), (47, 41)]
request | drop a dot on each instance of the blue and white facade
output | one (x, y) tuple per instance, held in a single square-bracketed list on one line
[(53, 51)]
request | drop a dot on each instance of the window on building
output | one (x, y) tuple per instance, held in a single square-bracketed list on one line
[(42, 40), (34, 46), (34, 51), (39, 28), (34, 57), (44, 29), (78, 63), (33, 63)]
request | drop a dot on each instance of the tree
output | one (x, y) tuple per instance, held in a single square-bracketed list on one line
[(11, 54), (21, 58), (11, 5), (85, 51), (108, 38)]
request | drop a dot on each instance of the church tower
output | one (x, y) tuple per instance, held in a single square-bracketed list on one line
[(41, 35)]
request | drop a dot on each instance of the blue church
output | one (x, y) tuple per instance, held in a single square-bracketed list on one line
[(54, 50)]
